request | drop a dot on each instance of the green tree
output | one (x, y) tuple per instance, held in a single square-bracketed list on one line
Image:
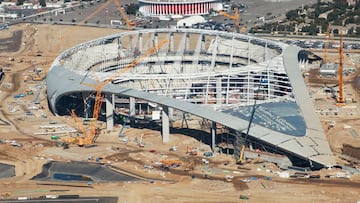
[(132, 9), (19, 2), (42, 3), (292, 15)]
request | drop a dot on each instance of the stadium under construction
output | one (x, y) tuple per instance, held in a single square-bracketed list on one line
[(217, 76)]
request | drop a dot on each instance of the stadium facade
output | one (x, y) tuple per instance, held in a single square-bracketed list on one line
[(217, 76), (177, 7)]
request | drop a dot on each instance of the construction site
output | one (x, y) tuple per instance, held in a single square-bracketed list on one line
[(169, 115)]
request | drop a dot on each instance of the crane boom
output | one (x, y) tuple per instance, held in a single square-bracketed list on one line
[(234, 17), (340, 100), (95, 12), (123, 15), (89, 138)]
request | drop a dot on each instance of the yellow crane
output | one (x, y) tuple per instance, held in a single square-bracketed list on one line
[(129, 23), (235, 17), (90, 136)]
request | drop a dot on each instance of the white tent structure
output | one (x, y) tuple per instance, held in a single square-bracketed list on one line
[(189, 21)]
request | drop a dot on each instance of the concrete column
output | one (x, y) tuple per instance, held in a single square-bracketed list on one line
[(265, 52), (165, 125), (248, 62), (213, 134), (109, 115), (214, 53), (119, 45), (156, 40), (187, 42), (132, 110), (171, 116), (140, 43), (171, 42), (231, 52), (218, 91), (202, 43)]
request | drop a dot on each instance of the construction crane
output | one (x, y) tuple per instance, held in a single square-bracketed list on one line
[(241, 159), (243, 146), (235, 17), (340, 99), (90, 137), (129, 23), (328, 39), (105, 5)]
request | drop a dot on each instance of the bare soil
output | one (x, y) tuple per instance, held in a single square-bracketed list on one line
[(206, 183)]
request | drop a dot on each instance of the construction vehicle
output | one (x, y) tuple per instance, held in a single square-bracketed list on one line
[(229, 178), (89, 137), (235, 17), (171, 163), (191, 151)]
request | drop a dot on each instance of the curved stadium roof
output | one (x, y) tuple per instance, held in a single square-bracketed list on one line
[(199, 71)]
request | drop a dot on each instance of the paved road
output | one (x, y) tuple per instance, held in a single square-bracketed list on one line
[(77, 200)]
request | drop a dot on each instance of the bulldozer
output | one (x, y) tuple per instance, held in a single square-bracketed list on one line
[(171, 162)]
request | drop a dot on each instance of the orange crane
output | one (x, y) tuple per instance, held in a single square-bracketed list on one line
[(328, 39), (340, 99), (90, 137), (95, 12), (124, 16), (235, 17)]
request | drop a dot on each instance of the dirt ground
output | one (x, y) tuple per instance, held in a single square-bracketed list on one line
[(206, 183)]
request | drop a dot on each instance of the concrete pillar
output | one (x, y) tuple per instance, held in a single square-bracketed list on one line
[(119, 45), (165, 125), (171, 116), (140, 43), (132, 110), (187, 42), (213, 134), (171, 42), (218, 90), (249, 43), (231, 52), (214, 53), (156, 40), (109, 115), (203, 44), (266, 52)]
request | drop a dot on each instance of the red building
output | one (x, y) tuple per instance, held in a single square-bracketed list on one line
[(178, 7)]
